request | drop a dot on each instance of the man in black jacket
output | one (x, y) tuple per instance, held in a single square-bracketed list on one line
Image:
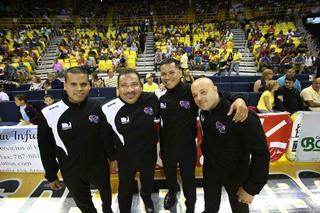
[(131, 117), (287, 98), (71, 130), (235, 154), (178, 114)]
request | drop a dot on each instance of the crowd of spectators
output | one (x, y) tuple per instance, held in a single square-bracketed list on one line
[(20, 51), (207, 46), (279, 46), (97, 50)]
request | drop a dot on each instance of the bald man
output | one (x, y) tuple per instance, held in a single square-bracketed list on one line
[(227, 147), (311, 95)]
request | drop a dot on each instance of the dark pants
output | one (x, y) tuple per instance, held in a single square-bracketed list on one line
[(212, 184), (186, 158), (79, 188), (128, 164)]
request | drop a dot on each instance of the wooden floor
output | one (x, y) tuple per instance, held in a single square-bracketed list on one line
[(292, 187)]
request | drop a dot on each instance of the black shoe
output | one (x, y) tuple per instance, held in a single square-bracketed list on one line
[(148, 205), (170, 199)]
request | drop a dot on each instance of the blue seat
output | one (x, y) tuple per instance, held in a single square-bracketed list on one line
[(36, 95), (108, 93), (9, 111), (94, 92), (305, 84), (224, 86), (240, 87), (56, 93), (253, 98), (11, 94), (302, 77)]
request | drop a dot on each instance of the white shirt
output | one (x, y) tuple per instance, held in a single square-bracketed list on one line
[(4, 96), (23, 113)]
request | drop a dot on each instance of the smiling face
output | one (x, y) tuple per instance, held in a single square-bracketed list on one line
[(205, 94), (170, 75), (129, 87), (77, 87)]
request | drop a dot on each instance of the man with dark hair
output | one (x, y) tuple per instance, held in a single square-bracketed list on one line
[(27, 113), (178, 114), (236, 155), (131, 117), (71, 131), (287, 98)]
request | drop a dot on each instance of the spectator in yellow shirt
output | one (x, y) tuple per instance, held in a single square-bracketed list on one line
[(235, 62), (266, 101), (150, 86)]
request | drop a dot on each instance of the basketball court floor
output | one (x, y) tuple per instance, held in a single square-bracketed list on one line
[(292, 187)]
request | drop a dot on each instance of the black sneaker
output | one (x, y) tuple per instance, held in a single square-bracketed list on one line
[(170, 199)]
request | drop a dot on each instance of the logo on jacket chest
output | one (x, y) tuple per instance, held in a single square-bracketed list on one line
[(184, 104), (125, 120), (163, 105), (94, 119), (148, 110), (66, 126), (221, 127)]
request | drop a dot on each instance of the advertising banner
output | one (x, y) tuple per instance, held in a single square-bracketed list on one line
[(19, 149), (308, 147)]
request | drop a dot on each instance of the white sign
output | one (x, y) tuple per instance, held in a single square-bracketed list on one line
[(19, 150), (308, 148)]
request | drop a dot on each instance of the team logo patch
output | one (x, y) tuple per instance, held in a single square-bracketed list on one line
[(184, 104), (66, 126), (221, 127), (148, 110), (94, 119), (163, 105), (125, 120)]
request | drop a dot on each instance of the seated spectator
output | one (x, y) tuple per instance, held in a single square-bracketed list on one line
[(184, 60), (311, 96), (223, 64), (111, 80), (275, 62), (57, 67), (286, 63), (150, 86), (266, 101), (48, 100), (52, 82), (290, 73), (28, 115), (298, 63), (260, 85), (287, 98), (3, 96), (123, 61), (309, 62), (264, 62), (96, 81), (36, 83), (91, 64), (187, 77), (236, 57)]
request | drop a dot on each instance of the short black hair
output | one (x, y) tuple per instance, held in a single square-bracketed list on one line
[(48, 96), (126, 71), (289, 78), (21, 97), (170, 61), (76, 70)]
